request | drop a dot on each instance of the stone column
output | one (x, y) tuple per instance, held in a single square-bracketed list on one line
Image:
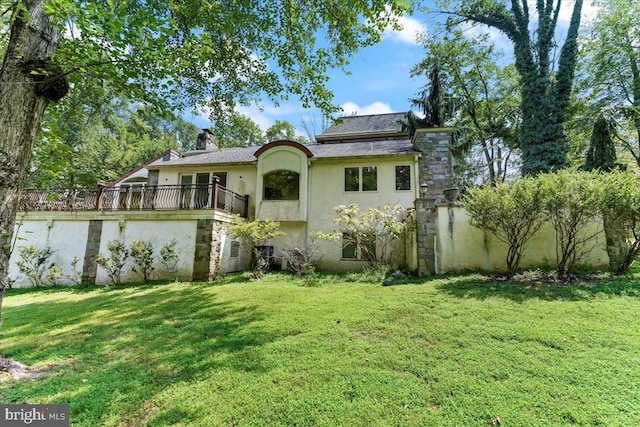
[(90, 266), (435, 172)]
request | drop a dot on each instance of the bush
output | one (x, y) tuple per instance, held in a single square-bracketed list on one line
[(512, 212), (375, 233), (252, 234), (301, 255), (118, 254), (34, 263), (142, 254), (572, 204), (169, 255), (620, 206)]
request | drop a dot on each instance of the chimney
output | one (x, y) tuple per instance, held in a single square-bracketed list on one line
[(206, 141)]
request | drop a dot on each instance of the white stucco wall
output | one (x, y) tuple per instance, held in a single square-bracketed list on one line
[(460, 246), (66, 233), (327, 182), (68, 238)]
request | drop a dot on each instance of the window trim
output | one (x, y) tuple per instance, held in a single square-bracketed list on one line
[(360, 178), (264, 188), (395, 176)]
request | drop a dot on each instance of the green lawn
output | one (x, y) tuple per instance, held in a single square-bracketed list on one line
[(336, 351)]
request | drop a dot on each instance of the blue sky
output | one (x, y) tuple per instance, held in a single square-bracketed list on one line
[(380, 79)]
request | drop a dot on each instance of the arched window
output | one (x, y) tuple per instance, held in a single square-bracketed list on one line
[(281, 185)]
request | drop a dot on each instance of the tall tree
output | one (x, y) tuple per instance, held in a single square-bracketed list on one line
[(239, 130), (170, 54), (545, 85), (93, 134), (601, 154), (487, 116), (612, 62), (282, 129)]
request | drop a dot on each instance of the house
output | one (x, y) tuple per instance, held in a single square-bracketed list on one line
[(188, 198), (367, 160)]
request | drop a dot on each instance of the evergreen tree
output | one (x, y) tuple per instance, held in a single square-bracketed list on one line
[(601, 154)]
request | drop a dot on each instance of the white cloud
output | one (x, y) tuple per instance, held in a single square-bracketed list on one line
[(349, 108), (589, 11), (411, 28)]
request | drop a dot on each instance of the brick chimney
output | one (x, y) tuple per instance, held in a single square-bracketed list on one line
[(206, 141)]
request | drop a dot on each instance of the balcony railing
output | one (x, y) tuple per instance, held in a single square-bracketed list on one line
[(136, 197)]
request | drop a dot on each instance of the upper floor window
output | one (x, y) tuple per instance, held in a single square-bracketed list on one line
[(403, 177), (363, 178), (281, 185)]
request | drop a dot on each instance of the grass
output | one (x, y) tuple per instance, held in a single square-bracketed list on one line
[(335, 351)]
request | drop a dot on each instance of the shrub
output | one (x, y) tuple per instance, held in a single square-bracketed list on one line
[(254, 233), (169, 255), (512, 212), (301, 254), (572, 203), (34, 263), (118, 254), (620, 207), (375, 233), (142, 254)]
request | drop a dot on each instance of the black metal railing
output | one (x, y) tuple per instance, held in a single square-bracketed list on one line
[(136, 197)]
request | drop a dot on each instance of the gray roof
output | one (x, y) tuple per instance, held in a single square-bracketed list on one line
[(351, 126), (319, 151)]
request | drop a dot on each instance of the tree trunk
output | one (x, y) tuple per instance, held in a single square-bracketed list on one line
[(33, 39)]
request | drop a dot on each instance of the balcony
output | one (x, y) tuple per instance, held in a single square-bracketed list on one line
[(136, 197)]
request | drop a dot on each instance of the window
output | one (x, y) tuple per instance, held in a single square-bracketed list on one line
[(358, 248), (403, 177), (363, 178), (281, 185), (235, 249)]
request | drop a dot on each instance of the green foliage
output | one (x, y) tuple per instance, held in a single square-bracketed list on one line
[(485, 96), (601, 154), (573, 206), (93, 134), (252, 234), (256, 232), (237, 131), (620, 205), (510, 211), (34, 263), (375, 233), (169, 255), (118, 254), (282, 129), (545, 87), (610, 68), (142, 253)]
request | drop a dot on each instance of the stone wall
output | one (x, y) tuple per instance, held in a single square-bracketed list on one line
[(435, 174)]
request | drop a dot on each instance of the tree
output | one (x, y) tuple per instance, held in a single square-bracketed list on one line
[(545, 85), (601, 154), (374, 233), (93, 134), (487, 118), (282, 129), (238, 131), (170, 55), (612, 58)]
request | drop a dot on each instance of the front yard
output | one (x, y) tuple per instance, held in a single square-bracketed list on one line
[(335, 351)]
